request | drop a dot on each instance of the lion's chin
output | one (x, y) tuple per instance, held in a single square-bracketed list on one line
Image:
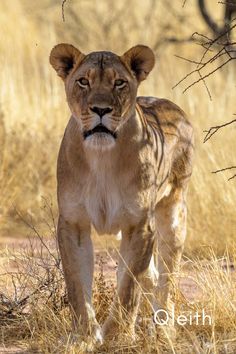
[(100, 141)]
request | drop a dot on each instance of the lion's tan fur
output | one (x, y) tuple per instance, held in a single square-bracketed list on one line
[(136, 183)]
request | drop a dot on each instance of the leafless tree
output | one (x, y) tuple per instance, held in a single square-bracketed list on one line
[(218, 51), (219, 30)]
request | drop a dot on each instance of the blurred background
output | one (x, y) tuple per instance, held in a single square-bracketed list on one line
[(34, 113)]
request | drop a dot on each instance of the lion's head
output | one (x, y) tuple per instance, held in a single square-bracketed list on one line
[(101, 88)]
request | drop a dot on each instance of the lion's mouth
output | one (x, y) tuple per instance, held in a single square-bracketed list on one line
[(100, 128)]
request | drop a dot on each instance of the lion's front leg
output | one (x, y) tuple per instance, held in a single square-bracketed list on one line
[(136, 252), (77, 260)]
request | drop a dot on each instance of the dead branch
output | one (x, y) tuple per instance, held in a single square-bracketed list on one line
[(204, 83), (172, 40), (203, 77), (210, 132), (226, 52), (38, 278), (63, 10), (226, 169)]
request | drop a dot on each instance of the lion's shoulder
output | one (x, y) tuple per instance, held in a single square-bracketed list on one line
[(168, 116), (161, 107)]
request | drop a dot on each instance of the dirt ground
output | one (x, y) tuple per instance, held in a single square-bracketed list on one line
[(108, 259)]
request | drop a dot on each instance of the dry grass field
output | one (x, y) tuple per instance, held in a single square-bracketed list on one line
[(33, 115)]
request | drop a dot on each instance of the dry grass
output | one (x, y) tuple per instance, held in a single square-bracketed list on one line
[(35, 314), (33, 115)]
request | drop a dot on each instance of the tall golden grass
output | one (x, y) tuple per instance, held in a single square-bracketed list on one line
[(35, 317), (33, 116)]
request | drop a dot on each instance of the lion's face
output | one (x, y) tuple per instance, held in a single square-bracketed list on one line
[(101, 89), (101, 93)]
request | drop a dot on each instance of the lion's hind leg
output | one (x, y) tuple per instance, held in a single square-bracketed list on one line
[(171, 224)]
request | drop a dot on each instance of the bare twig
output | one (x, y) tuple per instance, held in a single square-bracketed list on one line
[(63, 10), (204, 82), (213, 130), (232, 177), (226, 169), (226, 47), (202, 78), (37, 233), (38, 279), (186, 59)]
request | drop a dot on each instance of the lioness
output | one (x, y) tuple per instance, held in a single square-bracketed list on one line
[(124, 164)]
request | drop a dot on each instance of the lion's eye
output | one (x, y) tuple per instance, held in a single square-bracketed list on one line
[(83, 82), (120, 83)]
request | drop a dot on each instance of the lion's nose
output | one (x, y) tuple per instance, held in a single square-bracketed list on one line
[(101, 111)]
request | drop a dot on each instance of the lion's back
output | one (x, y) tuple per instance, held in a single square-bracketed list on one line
[(172, 124)]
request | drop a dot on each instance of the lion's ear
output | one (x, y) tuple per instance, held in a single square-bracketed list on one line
[(63, 57), (140, 60)]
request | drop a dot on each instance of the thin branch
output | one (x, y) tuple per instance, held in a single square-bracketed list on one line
[(33, 228), (201, 35), (226, 169), (232, 177), (185, 77), (205, 84), (213, 130), (63, 10), (186, 59), (226, 48), (207, 75), (197, 69), (171, 40)]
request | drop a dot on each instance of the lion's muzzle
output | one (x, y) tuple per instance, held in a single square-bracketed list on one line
[(100, 128)]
